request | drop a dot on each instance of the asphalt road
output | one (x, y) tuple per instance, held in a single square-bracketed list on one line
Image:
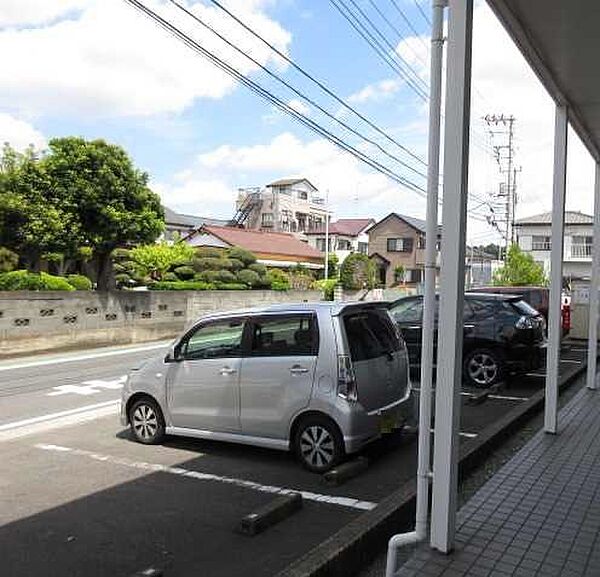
[(79, 497)]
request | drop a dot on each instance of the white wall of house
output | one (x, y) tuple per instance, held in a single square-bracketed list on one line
[(341, 245), (577, 245)]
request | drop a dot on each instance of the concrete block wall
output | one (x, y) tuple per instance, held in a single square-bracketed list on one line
[(31, 322)]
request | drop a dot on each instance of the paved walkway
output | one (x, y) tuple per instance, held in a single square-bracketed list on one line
[(539, 515)]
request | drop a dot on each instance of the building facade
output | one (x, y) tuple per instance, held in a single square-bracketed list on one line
[(345, 236), (288, 205), (397, 243), (534, 235)]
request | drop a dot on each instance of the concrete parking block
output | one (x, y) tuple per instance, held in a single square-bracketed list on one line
[(277, 510)]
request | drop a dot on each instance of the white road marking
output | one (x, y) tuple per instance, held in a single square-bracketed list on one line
[(82, 357), (507, 398), (572, 361), (25, 427), (466, 435), (198, 475), (88, 387)]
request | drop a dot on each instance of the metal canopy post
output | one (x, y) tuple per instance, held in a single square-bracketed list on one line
[(593, 316), (556, 268), (454, 218)]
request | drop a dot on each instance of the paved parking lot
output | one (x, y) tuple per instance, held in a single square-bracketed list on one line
[(86, 500)]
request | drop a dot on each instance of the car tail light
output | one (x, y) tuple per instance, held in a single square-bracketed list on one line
[(346, 387), (566, 317), (525, 322)]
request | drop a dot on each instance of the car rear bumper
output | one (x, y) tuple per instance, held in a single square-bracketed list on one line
[(369, 426)]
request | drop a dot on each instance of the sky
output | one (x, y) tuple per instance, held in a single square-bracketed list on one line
[(101, 69)]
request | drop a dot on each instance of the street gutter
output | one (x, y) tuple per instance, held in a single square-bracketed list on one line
[(359, 542)]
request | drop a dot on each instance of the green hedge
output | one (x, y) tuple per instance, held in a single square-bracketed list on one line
[(79, 282), (23, 280), (182, 285)]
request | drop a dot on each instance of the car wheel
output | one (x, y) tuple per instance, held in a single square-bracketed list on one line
[(318, 444), (147, 422), (483, 368)]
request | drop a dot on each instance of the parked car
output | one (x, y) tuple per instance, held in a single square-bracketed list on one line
[(502, 335), (538, 298), (320, 379)]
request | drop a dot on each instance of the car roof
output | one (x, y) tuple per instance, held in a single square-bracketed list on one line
[(468, 295)]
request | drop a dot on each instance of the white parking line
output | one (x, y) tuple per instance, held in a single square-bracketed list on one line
[(25, 427), (507, 398), (572, 361), (82, 357), (89, 387), (462, 434), (179, 471)]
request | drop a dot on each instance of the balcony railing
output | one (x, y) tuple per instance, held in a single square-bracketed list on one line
[(581, 251), (541, 246)]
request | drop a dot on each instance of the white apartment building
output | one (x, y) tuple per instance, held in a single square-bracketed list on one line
[(534, 236), (287, 205), (346, 235)]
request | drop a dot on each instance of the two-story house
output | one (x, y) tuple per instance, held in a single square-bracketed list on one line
[(345, 236), (534, 236), (399, 241), (287, 205)]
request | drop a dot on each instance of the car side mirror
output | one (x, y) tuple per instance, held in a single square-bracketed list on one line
[(173, 356)]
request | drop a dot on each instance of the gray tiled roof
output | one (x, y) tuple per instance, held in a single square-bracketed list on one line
[(188, 220), (571, 217)]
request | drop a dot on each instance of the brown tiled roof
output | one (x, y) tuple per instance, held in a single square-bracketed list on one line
[(263, 242), (346, 226)]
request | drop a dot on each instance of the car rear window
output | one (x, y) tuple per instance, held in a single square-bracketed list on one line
[(408, 310), (370, 334), (523, 308)]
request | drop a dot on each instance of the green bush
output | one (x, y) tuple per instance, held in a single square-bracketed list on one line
[(236, 264), (182, 285), (123, 279), (231, 286), (259, 269), (8, 260), (327, 286), (79, 282), (225, 276), (120, 254), (209, 276), (209, 252), (242, 254), (358, 271), (248, 277), (206, 263), (170, 277), (22, 280), (184, 272), (278, 280)]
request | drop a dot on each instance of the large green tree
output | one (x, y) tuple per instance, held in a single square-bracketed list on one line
[(520, 270)]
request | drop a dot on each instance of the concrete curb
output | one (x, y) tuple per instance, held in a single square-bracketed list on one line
[(274, 512), (359, 542), (346, 471)]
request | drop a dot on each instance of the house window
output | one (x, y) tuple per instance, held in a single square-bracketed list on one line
[(302, 195), (399, 244), (363, 247), (581, 246), (321, 244), (541, 243), (267, 219), (421, 242), (344, 244)]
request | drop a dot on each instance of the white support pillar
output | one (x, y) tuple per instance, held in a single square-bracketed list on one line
[(454, 218), (594, 283), (556, 268)]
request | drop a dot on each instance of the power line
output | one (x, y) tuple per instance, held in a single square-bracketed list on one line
[(425, 17), (296, 91), (319, 83), (378, 49), (407, 20), (257, 89)]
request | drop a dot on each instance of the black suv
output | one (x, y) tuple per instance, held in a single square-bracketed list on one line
[(502, 335)]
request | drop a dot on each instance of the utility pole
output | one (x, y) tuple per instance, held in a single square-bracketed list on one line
[(504, 153)]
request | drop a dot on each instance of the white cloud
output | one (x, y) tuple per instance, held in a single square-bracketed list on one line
[(19, 134), (299, 106), (376, 92), (210, 186), (108, 59), (31, 12)]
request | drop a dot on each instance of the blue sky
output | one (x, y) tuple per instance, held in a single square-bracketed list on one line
[(97, 68)]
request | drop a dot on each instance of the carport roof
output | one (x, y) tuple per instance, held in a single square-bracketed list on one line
[(560, 40)]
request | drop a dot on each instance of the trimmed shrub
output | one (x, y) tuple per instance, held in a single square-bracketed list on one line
[(205, 263), (123, 279), (209, 252), (225, 276), (242, 254), (236, 264), (327, 286), (23, 280), (120, 254), (248, 277), (231, 286), (182, 285), (79, 282), (8, 260), (278, 279), (183, 272), (358, 271), (207, 276), (259, 269), (170, 277)]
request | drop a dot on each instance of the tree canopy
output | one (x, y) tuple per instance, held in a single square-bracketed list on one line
[(77, 194), (520, 270)]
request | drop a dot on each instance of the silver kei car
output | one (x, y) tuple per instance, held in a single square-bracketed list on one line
[(319, 379)]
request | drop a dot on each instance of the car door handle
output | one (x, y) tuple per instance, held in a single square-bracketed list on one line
[(414, 327), (227, 371), (298, 370)]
